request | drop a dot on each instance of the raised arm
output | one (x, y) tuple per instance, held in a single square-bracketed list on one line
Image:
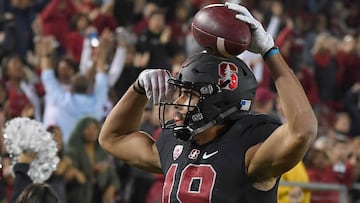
[(48, 79), (120, 135), (288, 144)]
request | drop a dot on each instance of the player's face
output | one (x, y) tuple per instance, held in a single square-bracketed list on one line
[(183, 105), (186, 101)]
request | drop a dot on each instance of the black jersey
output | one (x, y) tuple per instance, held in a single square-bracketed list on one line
[(215, 172)]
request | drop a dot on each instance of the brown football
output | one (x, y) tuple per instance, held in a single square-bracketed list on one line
[(216, 29)]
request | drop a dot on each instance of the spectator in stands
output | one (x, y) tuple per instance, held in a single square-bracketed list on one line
[(20, 169), (352, 107), (55, 18), (180, 25), (101, 180), (341, 127), (316, 165), (57, 181), (288, 42), (65, 171), (81, 101), (65, 70), (354, 159), (38, 192), (264, 101), (102, 17), (18, 34), (148, 9), (124, 69), (348, 59), (4, 159), (6, 178), (23, 98), (79, 25), (155, 42), (3, 109), (288, 194), (325, 66), (318, 27), (331, 166), (126, 12)]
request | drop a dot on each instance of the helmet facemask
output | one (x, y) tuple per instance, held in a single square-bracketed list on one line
[(199, 115)]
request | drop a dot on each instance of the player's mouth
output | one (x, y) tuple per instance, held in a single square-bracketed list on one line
[(178, 118)]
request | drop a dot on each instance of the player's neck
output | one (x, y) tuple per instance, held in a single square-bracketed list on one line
[(208, 135)]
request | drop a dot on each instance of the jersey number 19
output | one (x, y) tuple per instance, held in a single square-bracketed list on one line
[(196, 183)]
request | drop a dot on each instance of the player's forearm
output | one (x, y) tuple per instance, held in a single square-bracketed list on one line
[(125, 116), (296, 107)]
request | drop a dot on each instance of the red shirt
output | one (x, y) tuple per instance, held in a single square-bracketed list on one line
[(56, 21), (349, 71), (328, 175), (103, 21), (17, 100), (74, 45)]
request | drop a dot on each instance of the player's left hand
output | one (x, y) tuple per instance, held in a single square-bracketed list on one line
[(261, 42)]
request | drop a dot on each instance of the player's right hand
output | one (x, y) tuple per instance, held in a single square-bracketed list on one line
[(261, 42), (155, 83)]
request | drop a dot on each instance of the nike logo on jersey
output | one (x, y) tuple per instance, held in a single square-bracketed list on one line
[(206, 155)]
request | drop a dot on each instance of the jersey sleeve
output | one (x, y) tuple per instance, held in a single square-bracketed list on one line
[(263, 130), (260, 129)]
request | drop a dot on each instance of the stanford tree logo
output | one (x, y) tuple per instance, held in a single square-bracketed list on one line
[(228, 72)]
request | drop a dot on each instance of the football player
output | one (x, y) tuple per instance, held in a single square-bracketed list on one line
[(213, 149)]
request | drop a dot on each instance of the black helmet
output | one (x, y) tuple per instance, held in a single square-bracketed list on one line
[(225, 86)]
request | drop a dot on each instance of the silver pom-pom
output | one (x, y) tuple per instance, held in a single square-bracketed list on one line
[(24, 134)]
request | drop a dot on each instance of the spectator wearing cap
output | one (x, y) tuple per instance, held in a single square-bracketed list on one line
[(264, 100)]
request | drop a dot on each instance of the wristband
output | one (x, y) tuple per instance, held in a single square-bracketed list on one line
[(272, 51), (138, 89)]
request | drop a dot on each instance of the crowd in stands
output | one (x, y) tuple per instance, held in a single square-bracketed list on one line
[(65, 63)]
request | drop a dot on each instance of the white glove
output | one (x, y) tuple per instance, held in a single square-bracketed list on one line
[(261, 41), (155, 83)]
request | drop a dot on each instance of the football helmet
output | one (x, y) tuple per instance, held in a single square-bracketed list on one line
[(223, 86)]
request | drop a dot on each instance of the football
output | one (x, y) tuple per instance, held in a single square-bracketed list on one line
[(216, 29)]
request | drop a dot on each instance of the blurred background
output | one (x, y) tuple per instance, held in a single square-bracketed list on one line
[(80, 40)]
